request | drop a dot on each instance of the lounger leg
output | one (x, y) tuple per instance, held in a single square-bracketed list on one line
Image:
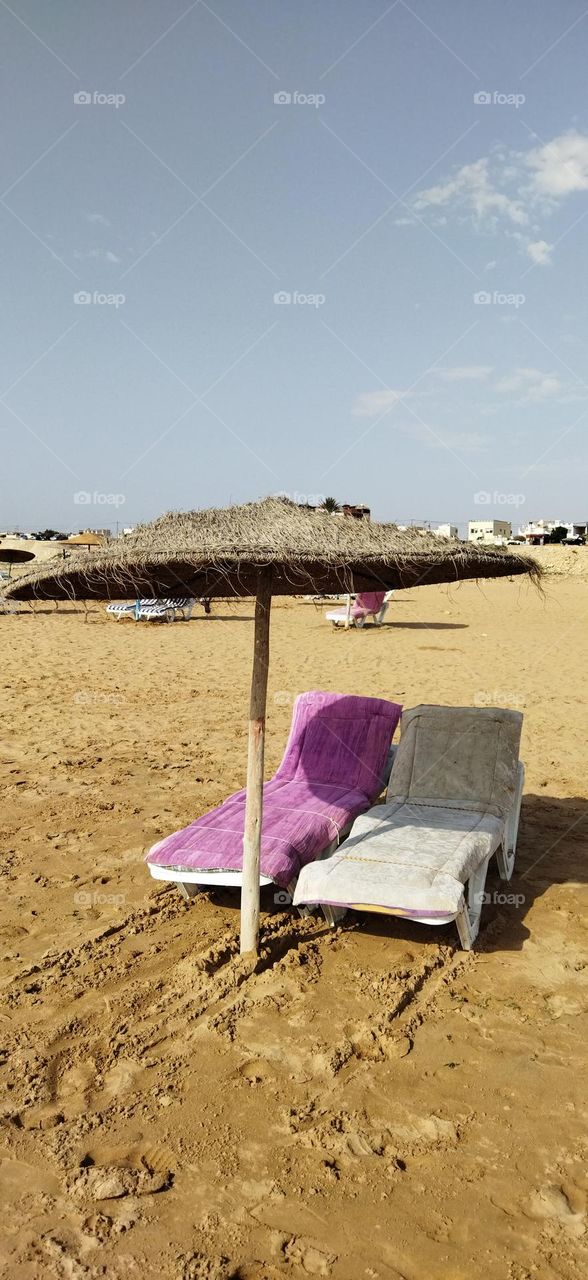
[(189, 890), (302, 911), (462, 921), (468, 919), (333, 914), (505, 855)]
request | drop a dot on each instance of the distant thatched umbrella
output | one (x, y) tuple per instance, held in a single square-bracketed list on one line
[(262, 549), (15, 555), (87, 539)]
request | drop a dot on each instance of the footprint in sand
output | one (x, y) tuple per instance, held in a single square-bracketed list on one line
[(109, 1173), (256, 1071), (70, 1083), (564, 1204), (309, 1255)]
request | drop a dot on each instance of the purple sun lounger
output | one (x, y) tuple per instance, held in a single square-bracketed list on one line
[(336, 763)]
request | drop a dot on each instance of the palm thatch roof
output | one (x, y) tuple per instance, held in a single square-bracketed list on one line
[(87, 539), (15, 555), (218, 552)]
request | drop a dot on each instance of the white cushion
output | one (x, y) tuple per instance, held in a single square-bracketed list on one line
[(410, 858)]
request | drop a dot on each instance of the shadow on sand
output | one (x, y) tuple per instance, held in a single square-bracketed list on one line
[(422, 626), (551, 849)]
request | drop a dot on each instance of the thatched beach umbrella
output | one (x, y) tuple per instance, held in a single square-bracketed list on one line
[(15, 555), (262, 549), (87, 539)]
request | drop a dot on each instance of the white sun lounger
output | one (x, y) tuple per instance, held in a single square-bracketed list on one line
[(151, 610), (344, 617), (453, 801), (129, 609)]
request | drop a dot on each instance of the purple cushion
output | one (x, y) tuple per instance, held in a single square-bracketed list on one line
[(331, 771)]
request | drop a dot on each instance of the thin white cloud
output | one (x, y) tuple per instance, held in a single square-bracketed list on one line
[(533, 384), (540, 252), (560, 167), (97, 255), (474, 189), (510, 191), (371, 403)]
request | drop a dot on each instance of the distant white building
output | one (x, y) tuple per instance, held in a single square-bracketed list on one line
[(538, 531), (493, 533), (446, 531)]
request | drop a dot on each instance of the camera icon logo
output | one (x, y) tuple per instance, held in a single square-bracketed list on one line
[(482, 99), (82, 498), (82, 298), (282, 298), (483, 297), (282, 98), (282, 898), (82, 98), (482, 498)]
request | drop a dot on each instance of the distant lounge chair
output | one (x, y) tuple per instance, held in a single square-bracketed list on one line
[(334, 766), (129, 609), (368, 604), (453, 800), (154, 610)]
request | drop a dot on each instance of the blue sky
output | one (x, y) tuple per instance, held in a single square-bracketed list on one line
[(418, 205)]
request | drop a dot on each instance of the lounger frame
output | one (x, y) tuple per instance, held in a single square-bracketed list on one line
[(467, 919), (153, 610), (344, 618), (191, 880)]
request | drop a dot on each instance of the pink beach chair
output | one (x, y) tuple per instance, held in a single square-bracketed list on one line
[(337, 761), (368, 604)]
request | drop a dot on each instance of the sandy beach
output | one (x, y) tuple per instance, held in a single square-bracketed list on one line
[(372, 1102)]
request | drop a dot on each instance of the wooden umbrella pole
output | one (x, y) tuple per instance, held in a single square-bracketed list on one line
[(254, 801)]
